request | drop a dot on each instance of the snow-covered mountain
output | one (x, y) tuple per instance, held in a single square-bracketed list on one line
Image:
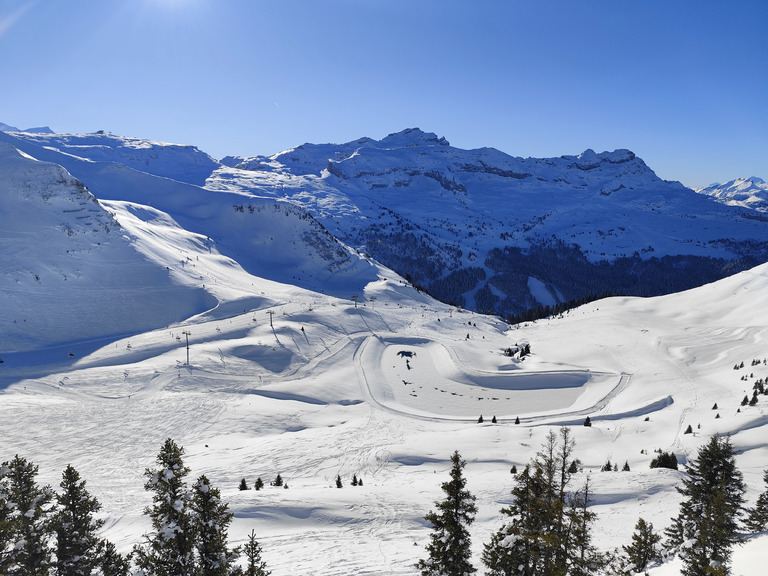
[(502, 234), (477, 228), (746, 192), (114, 250)]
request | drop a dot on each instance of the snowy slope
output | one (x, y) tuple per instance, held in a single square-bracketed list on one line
[(66, 263), (271, 239), (288, 374), (387, 390), (746, 192), (478, 227)]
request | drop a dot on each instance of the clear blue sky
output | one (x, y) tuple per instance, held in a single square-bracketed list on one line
[(682, 83)]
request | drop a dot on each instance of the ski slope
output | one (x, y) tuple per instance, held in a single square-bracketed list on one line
[(387, 389), (354, 372)]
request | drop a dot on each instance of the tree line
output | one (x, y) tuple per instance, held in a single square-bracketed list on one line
[(48, 533), (546, 530)]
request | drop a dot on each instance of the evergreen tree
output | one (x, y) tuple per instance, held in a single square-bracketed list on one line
[(112, 563), (625, 468), (705, 529), (259, 483), (665, 460), (449, 546), (78, 546), (243, 485), (583, 558), (211, 519), (7, 524), (587, 422), (354, 479), (757, 520), (517, 419), (339, 483), (643, 549), (24, 520), (278, 481), (548, 527), (516, 548), (252, 550), (169, 549)]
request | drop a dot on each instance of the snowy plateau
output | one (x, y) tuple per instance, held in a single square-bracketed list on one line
[(302, 281)]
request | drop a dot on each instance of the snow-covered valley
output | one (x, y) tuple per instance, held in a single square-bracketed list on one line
[(311, 360)]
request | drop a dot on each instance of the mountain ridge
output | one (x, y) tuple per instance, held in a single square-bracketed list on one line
[(477, 228)]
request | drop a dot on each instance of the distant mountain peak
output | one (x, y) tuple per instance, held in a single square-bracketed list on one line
[(36, 130), (749, 192), (412, 137)]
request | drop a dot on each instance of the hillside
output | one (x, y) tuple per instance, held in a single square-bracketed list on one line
[(477, 228), (387, 390), (70, 273), (309, 359)]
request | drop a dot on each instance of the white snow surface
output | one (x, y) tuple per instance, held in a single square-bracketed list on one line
[(310, 384)]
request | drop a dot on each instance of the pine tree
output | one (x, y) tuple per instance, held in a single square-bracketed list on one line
[(112, 563), (665, 460), (259, 483), (516, 548), (24, 520), (449, 547), (625, 468), (587, 422), (255, 566), (169, 549), (706, 527), (78, 546), (211, 519), (278, 481), (643, 549), (517, 419), (548, 527), (354, 479), (339, 483), (243, 485), (583, 558), (757, 521)]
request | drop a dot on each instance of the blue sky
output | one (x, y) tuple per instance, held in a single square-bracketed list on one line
[(684, 84)]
